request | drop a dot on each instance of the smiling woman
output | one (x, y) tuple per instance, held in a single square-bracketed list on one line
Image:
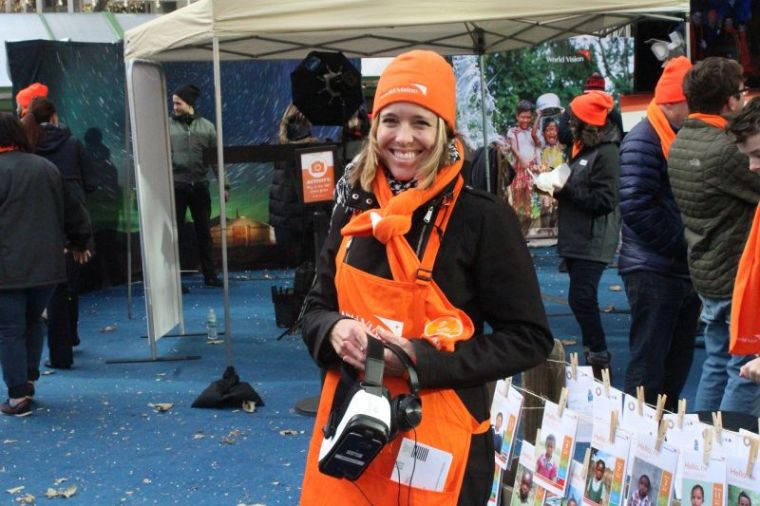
[(419, 261)]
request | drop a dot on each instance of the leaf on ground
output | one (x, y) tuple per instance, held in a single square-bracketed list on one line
[(228, 440), (214, 341), (58, 481), (26, 499), (109, 328), (51, 493), (288, 432), (199, 435), (616, 288), (47, 372), (161, 406), (9, 441), (15, 490), (609, 309), (249, 406), (568, 342), (68, 491)]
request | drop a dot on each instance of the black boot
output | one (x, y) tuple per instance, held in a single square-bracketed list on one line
[(599, 360)]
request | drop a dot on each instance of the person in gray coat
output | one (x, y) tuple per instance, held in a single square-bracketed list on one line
[(717, 196)]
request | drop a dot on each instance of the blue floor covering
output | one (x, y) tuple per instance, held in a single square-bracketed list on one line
[(94, 427)]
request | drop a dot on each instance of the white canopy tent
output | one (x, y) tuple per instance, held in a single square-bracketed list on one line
[(289, 29)]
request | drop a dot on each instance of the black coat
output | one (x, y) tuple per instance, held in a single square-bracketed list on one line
[(589, 216), (653, 235), (69, 155), (38, 218), (484, 268)]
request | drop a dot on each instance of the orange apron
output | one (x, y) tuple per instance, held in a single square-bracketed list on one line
[(745, 306), (412, 305)]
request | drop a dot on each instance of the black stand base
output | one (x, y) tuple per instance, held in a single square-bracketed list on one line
[(308, 406), (171, 358)]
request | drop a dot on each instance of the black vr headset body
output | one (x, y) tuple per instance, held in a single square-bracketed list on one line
[(369, 418)]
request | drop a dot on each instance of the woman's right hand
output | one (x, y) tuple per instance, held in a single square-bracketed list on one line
[(349, 340)]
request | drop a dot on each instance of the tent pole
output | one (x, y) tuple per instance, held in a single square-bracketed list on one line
[(222, 203), (481, 66), (127, 204)]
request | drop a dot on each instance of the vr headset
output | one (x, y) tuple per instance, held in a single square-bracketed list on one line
[(368, 418)]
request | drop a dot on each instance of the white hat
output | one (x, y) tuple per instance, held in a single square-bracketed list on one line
[(549, 105)]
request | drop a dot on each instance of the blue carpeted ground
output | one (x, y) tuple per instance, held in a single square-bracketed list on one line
[(93, 425)]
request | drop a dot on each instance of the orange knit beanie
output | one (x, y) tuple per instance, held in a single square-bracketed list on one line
[(420, 77), (24, 97), (592, 107), (669, 89)]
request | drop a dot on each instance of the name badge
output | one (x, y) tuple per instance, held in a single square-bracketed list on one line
[(425, 466)]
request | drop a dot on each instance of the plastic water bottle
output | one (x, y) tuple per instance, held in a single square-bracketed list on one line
[(211, 324)]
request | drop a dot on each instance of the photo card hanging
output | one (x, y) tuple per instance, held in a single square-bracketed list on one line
[(555, 447)]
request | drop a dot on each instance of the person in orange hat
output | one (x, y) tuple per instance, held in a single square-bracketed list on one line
[(664, 304), (417, 262), (589, 218), (24, 97)]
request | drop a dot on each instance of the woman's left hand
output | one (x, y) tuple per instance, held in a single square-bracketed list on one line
[(393, 365)]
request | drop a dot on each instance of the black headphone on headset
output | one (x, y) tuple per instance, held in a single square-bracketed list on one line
[(368, 417)]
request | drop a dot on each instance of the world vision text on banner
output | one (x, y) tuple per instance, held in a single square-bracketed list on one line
[(317, 176)]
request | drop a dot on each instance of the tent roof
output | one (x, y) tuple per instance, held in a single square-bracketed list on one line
[(289, 29)]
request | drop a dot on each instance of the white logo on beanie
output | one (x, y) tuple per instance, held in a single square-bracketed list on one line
[(413, 89)]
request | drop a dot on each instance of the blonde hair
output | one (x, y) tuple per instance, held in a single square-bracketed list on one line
[(368, 160)]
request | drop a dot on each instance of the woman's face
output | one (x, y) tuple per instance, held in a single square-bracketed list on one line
[(406, 136)]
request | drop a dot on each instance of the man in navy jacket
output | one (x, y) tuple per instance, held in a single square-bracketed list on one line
[(664, 305)]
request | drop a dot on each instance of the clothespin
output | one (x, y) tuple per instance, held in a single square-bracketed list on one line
[(753, 448), (718, 426), (538, 437), (508, 382), (562, 402), (661, 398), (606, 382), (574, 365), (613, 425), (640, 400), (707, 436), (662, 429), (681, 413), (586, 462)]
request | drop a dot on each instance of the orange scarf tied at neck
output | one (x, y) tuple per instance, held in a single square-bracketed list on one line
[(661, 126), (394, 218), (711, 119)]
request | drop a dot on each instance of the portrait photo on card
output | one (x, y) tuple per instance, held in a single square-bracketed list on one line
[(494, 498), (651, 472), (605, 475), (743, 486), (702, 483), (580, 398), (555, 447), (505, 416), (575, 485), (524, 490)]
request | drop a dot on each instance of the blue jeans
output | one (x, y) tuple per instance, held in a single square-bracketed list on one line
[(720, 386), (664, 312), (21, 336), (582, 299)]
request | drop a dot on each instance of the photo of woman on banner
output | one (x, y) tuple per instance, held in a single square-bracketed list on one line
[(418, 260)]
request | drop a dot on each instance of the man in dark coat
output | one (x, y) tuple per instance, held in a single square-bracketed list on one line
[(664, 305), (192, 139)]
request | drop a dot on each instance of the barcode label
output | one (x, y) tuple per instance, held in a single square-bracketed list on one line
[(420, 453)]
